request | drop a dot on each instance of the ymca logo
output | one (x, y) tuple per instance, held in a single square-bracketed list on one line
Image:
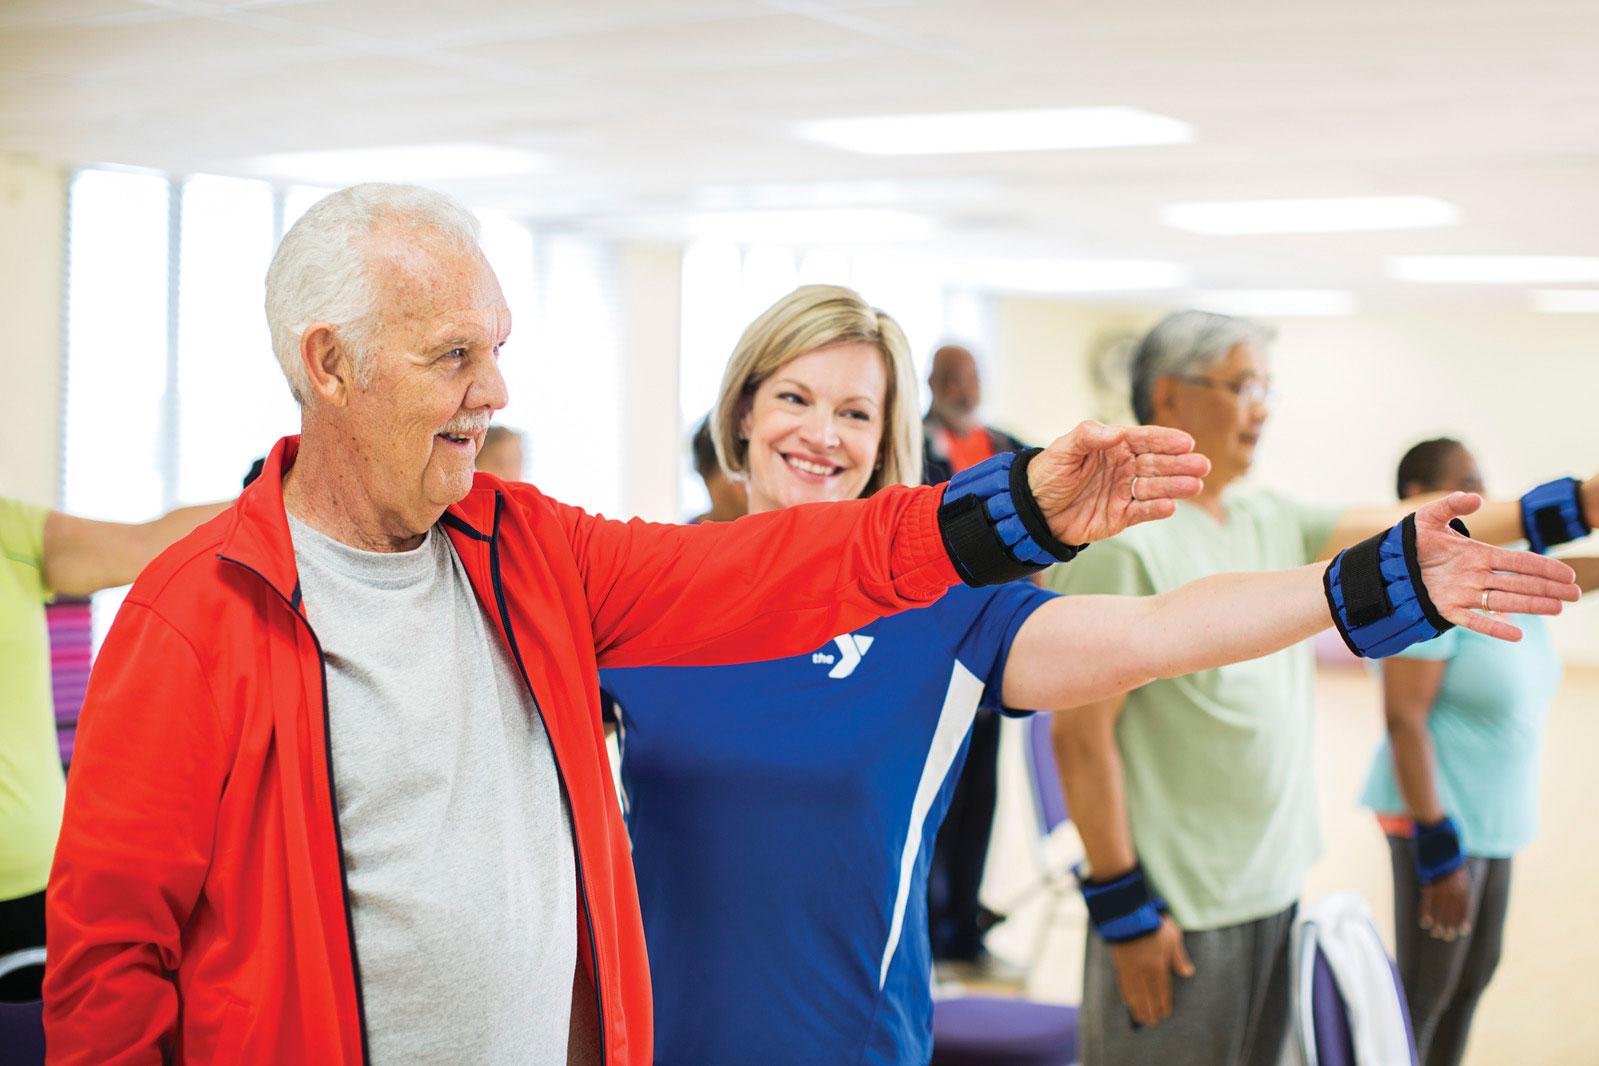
[(851, 648)]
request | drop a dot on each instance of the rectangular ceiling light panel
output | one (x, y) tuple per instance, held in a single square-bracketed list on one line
[(1494, 269), (415, 162), (1566, 301), (1328, 215), (1065, 276), (1043, 130), (1275, 303), (812, 227)]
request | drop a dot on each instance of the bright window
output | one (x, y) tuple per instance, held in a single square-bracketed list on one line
[(117, 345), (116, 457), (233, 402), (508, 246), (566, 377)]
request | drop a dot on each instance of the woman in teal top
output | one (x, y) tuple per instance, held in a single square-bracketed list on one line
[(1455, 787)]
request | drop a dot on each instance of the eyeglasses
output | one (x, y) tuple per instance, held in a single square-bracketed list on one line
[(1249, 390)]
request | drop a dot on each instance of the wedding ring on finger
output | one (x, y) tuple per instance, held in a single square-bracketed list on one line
[(1485, 601), (1135, 486)]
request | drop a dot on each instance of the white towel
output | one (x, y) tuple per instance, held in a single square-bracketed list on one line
[(1341, 927)]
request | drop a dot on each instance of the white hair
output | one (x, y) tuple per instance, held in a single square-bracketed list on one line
[(1185, 342), (319, 273)]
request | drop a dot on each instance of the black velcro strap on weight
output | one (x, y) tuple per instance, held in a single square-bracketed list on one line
[(1116, 898), (1438, 851), (1360, 579), (1032, 517), (979, 556), (1551, 525), (1407, 534)]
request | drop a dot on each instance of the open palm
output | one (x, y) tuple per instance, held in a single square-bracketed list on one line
[(1084, 481), (1458, 570)]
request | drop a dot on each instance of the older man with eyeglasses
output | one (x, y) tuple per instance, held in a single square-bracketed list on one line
[(1195, 796)]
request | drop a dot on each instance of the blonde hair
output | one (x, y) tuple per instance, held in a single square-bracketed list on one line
[(809, 318)]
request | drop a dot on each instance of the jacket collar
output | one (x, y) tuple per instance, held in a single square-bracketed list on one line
[(259, 535)]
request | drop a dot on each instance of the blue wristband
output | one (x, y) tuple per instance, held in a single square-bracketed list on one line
[(1378, 600), (991, 525), (1438, 851), (1552, 514), (1122, 908)]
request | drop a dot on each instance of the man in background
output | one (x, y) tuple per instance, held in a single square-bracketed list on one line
[(501, 454), (727, 496), (954, 439)]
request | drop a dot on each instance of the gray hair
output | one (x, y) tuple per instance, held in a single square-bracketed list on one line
[(319, 272), (1185, 342)]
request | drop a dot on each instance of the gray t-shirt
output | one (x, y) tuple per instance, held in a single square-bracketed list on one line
[(457, 839)]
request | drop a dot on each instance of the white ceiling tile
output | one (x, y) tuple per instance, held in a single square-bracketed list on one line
[(655, 107)]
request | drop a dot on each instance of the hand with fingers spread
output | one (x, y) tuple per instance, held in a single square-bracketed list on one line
[(1472, 584), (1443, 905), (1412, 582), (1144, 968), (1097, 480)]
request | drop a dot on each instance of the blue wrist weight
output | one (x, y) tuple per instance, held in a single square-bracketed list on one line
[(1438, 851), (1121, 908), (991, 525), (1378, 600), (1552, 514)]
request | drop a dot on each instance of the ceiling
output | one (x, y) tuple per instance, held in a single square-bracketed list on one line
[(648, 110)]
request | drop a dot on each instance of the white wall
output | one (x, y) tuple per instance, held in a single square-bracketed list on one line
[(1044, 383), (1353, 393), (651, 283), (33, 215)]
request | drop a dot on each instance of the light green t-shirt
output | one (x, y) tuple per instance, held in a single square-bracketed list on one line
[(1487, 725), (1220, 786), (32, 788)]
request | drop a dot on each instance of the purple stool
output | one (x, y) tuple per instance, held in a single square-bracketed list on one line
[(999, 1031), (1049, 802), (22, 1024)]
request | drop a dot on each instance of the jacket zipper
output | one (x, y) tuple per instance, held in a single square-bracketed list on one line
[(338, 833), (577, 850)]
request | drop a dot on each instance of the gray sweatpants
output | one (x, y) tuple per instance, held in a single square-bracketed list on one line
[(1444, 979), (1234, 1011)]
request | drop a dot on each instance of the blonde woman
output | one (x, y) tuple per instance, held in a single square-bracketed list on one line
[(782, 813)]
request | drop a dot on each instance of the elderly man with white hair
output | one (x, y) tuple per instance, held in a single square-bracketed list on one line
[(341, 791)]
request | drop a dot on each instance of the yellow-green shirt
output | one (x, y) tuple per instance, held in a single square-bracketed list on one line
[(32, 788), (1219, 780)]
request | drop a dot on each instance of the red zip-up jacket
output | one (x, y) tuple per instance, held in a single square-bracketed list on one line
[(197, 909)]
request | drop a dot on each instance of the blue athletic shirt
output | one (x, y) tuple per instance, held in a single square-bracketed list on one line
[(782, 816)]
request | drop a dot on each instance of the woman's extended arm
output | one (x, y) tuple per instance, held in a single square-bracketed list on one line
[(82, 555), (1497, 522), (1079, 649), (1084, 648)]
